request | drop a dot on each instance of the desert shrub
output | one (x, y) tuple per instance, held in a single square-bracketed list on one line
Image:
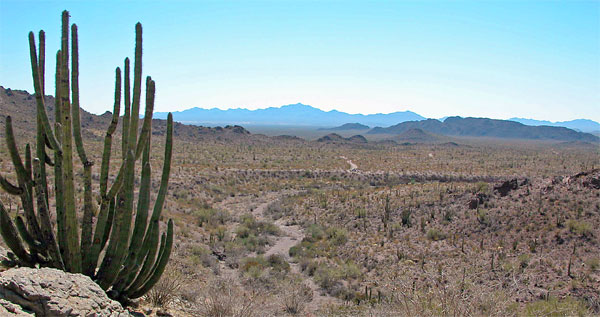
[(223, 298), (351, 270), (211, 217), (307, 248), (253, 266), (556, 307), (327, 277), (523, 261), (315, 232), (253, 243), (252, 234), (294, 296), (337, 236), (166, 290), (203, 256), (482, 217), (481, 187), (258, 227), (295, 251), (580, 227), (278, 263), (435, 234), (276, 210), (593, 263), (220, 232)]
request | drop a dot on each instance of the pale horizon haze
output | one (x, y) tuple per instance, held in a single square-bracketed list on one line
[(496, 59)]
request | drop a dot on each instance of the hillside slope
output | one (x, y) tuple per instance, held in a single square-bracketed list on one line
[(483, 127)]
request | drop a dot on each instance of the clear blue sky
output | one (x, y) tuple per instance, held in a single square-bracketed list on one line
[(501, 59)]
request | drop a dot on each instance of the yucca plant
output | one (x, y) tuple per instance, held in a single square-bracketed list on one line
[(132, 260)]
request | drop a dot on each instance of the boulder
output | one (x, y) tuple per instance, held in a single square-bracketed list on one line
[(52, 292), (507, 186)]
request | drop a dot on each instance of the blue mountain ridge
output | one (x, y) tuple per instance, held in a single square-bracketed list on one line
[(304, 115), (583, 125), (294, 115)]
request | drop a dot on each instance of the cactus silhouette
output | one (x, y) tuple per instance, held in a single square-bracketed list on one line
[(133, 259)]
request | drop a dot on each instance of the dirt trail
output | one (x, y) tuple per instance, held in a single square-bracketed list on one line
[(289, 237), (353, 166)]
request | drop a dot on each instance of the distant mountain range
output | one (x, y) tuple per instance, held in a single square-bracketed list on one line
[(583, 125), (404, 126), (483, 127), (305, 115), (290, 115)]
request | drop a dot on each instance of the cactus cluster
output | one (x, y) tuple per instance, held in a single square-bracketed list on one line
[(133, 259)]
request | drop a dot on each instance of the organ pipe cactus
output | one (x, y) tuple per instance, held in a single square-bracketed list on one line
[(133, 259)]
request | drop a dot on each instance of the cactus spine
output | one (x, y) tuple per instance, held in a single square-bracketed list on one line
[(134, 259)]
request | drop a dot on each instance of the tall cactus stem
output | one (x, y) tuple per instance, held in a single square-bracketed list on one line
[(127, 112), (71, 257), (44, 214), (10, 188), (42, 62), (160, 266), (23, 178), (39, 97), (148, 255), (137, 88), (58, 171), (10, 236), (105, 165), (119, 238), (75, 97), (147, 125)]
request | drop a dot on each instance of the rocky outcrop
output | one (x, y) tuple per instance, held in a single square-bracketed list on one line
[(51, 292), (510, 185)]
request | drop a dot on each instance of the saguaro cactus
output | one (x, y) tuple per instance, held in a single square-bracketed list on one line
[(133, 260)]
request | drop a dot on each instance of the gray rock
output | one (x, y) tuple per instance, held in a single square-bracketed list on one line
[(52, 292), (9, 309)]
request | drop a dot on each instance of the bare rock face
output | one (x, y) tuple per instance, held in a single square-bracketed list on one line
[(9, 309), (51, 292), (507, 186)]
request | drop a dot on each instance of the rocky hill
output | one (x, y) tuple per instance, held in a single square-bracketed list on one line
[(483, 127), (348, 126), (21, 106), (336, 138), (418, 136)]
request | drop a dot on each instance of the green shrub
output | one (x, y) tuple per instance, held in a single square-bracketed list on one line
[(436, 235), (556, 307), (351, 270), (580, 227), (211, 217), (337, 236), (278, 263), (326, 277), (593, 263), (315, 232), (251, 262)]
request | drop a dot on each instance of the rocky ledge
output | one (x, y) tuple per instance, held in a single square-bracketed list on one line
[(51, 292)]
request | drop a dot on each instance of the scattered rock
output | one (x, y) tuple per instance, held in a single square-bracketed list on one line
[(507, 186), (52, 292)]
